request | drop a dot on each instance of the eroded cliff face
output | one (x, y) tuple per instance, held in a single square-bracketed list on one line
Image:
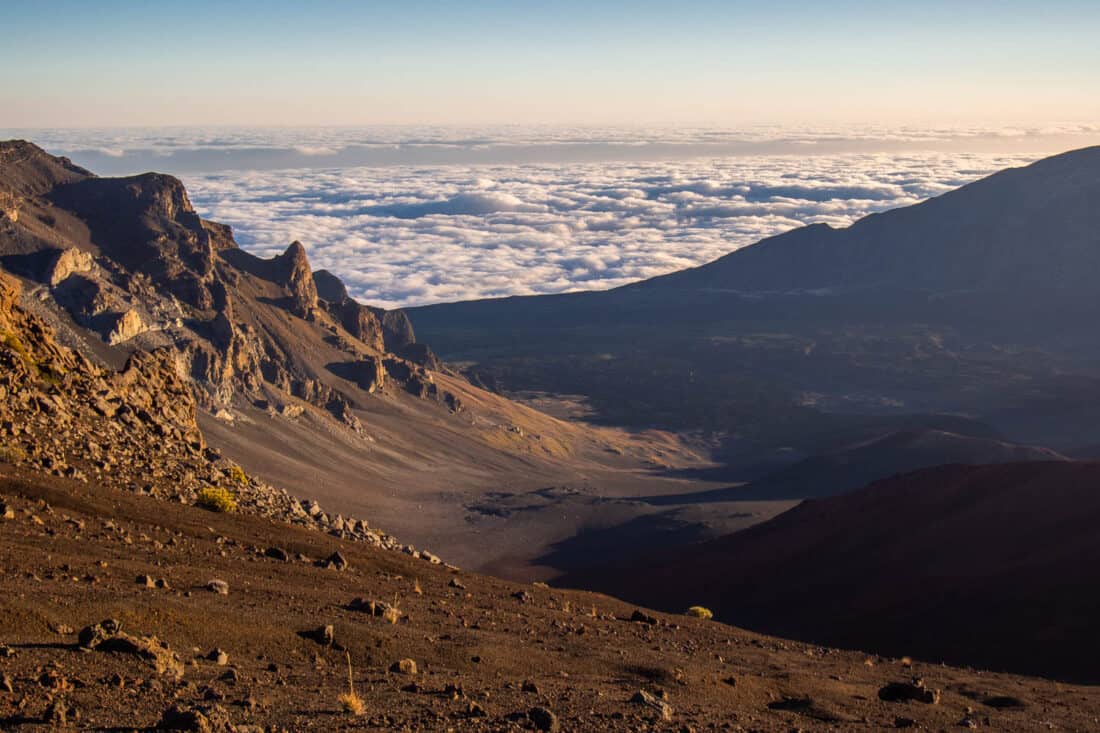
[(133, 428), (131, 261)]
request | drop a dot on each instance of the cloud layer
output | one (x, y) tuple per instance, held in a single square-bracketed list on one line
[(409, 235)]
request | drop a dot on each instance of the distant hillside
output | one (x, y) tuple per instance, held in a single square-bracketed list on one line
[(1022, 231), (995, 565), (855, 466), (978, 303)]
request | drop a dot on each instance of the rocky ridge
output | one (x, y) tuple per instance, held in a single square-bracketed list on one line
[(133, 429), (130, 261)]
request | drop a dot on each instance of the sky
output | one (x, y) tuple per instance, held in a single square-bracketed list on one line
[(65, 63), (432, 151)]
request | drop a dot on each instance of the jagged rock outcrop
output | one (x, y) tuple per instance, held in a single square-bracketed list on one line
[(68, 261), (146, 224), (130, 260), (128, 324), (293, 268), (134, 429)]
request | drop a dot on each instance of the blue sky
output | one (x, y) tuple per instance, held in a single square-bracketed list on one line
[(351, 63)]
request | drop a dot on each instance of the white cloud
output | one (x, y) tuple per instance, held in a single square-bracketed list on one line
[(407, 235), (413, 215)]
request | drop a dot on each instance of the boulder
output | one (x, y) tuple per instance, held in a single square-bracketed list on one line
[(67, 262)]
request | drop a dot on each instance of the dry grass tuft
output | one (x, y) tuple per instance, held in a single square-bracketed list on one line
[(392, 613), (349, 701)]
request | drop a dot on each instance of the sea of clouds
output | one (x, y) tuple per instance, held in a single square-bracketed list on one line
[(409, 216)]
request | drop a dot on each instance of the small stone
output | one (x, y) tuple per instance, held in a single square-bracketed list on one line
[(325, 635), (643, 618), (56, 714), (909, 691), (218, 656), (91, 636), (336, 561), (6, 512), (146, 580), (277, 553), (455, 583), (218, 586), (662, 708), (5, 684), (193, 720), (529, 686)]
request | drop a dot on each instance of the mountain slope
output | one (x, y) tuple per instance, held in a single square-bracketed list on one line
[(489, 655), (995, 565), (978, 303), (1026, 230), (301, 385), (853, 467)]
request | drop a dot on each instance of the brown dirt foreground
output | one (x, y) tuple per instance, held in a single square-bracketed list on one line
[(489, 655)]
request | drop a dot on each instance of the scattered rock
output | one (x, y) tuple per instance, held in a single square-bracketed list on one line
[(376, 608), (325, 635), (218, 586), (336, 561), (218, 656), (107, 636), (277, 553), (91, 636), (662, 708), (909, 691), (455, 583), (56, 713), (643, 618), (544, 719), (146, 580), (6, 512), (202, 719), (5, 684)]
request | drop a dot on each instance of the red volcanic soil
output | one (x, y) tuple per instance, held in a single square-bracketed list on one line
[(490, 655), (992, 566)]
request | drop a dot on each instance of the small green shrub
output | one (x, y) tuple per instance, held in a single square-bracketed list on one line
[(13, 342), (699, 612), (238, 475), (217, 500), (12, 454)]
